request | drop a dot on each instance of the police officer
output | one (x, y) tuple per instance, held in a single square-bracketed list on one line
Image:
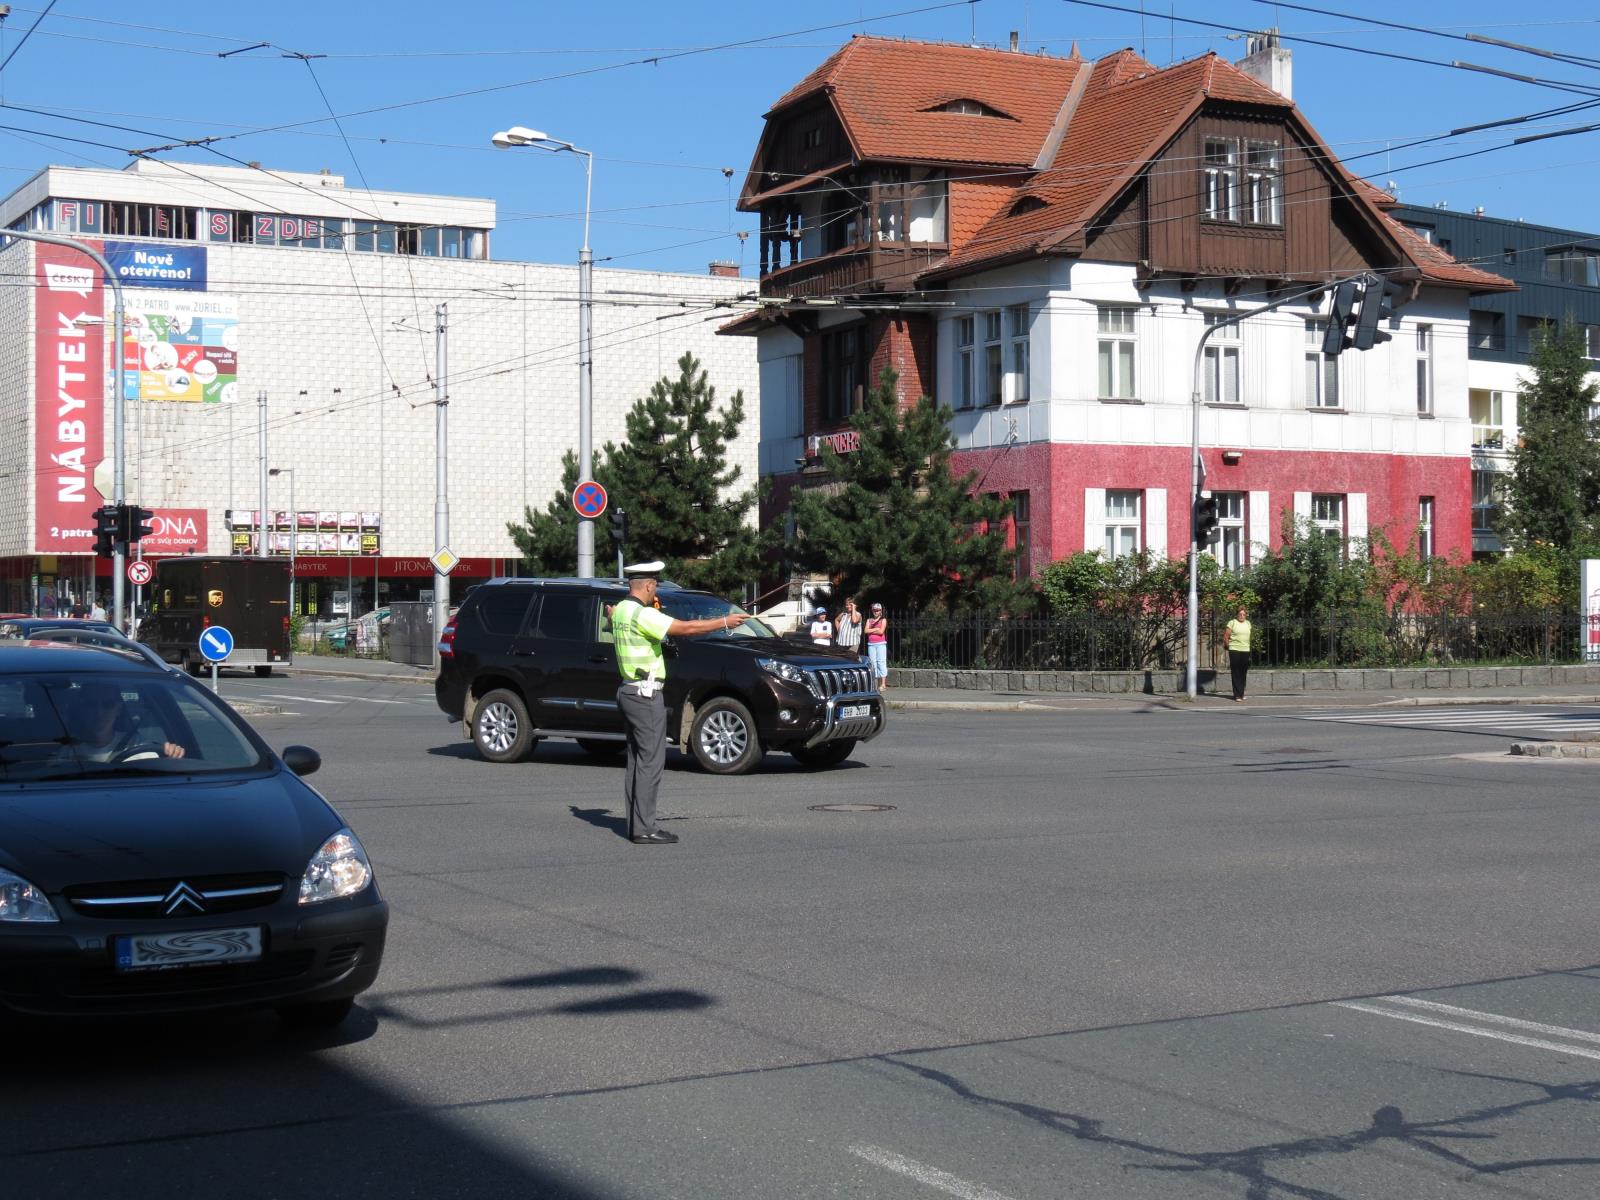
[(637, 628)]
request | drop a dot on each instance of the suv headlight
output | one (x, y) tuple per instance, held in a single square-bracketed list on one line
[(339, 868), (787, 672), (21, 902)]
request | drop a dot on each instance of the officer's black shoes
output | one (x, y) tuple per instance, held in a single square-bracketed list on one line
[(659, 838)]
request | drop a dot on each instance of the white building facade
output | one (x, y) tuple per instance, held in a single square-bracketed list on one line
[(296, 300)]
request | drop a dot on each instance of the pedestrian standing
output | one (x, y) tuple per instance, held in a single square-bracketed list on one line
[(637, 627), (1239, 652), (878, 645), (821, 628), (847, 629), (98, 612)]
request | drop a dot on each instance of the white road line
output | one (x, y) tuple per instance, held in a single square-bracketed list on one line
[(1475, 1030), (305, 699), (365, 699), (1581, 1035), (950, 1184)]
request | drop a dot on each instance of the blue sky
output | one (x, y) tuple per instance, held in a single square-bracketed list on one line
[(663, 132)]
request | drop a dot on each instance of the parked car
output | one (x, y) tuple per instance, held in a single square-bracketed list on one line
[(156, 856), (527, 659), (74, 633), (366, 631), (26, 627)]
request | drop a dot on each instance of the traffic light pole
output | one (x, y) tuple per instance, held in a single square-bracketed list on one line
[(119, 483), (1197, 474)]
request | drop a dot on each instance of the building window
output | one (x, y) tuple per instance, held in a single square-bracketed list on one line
[(1021, 536), (1262, 183), (811, 139), (1322, 370), (1485, 500), (1591, 340), (1529, 330), (1221, 179), (1425, 232), (844, 372), (1327, 514), (1424, 370), (1230, 550), (966, 328), (1486, 330), (1122, 523), (1117, 329), (912, 212), (1508, 256), (1425, 528), (1488, 419), (1221, 366), (1020, 356), (1573, 264), (994, 358)]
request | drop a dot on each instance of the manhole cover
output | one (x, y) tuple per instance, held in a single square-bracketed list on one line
[(852, 808)]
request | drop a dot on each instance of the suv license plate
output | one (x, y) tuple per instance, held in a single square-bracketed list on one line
[(190, 948), (854, 712)]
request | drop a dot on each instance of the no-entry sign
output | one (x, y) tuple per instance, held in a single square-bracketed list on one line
[(589, 498)]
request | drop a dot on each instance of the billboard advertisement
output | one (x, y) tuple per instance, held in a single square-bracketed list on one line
[(344, 533), (1589, 586), (147, 265), (182, 346), (69, 399)]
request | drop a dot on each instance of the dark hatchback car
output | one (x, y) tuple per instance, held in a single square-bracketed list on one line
[(527, 659), (17, 628), (156, 856)]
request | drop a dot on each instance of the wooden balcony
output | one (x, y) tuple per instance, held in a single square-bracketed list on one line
[(854, 271)]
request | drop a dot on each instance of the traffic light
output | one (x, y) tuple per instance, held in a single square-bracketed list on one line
[(619, 527), (136, 524), (1378, 299), (1340, 314), (1207, 528), (107, 530)]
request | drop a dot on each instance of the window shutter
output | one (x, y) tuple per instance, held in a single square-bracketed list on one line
[(1155, 521), (1302, 508), (1094, 519), (1258, 519), (1355, 508)]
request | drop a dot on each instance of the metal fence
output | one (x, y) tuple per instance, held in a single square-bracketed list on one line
[(1149, 641)]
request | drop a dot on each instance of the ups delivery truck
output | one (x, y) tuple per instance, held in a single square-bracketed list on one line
[(247, 596)]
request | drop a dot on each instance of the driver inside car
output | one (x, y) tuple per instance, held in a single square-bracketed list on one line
[(103, 731)]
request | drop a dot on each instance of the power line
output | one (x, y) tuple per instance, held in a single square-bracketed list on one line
[(27, 35)]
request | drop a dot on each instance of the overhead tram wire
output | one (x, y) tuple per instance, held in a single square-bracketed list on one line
[(24, 39)]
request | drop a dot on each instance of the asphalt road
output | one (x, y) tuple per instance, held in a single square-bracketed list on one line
[(1140, 950)]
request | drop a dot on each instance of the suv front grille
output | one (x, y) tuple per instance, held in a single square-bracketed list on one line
[(196, 896), (835, 681)]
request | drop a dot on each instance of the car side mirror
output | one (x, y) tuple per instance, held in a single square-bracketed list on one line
[(302, 760)]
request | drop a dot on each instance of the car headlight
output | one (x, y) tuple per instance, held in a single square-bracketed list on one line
[(20, 901), (339, 868), (787, 672)]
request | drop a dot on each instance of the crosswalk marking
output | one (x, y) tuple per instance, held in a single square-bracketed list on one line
[(297, 699), (1508, 720), (365, 699)]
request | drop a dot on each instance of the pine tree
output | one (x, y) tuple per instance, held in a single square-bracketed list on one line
[(673, 479), (1554, 489), (896, 524)]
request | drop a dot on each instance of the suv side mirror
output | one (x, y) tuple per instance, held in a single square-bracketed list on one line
[(302, 760)]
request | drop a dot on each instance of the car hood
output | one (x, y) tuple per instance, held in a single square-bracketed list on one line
[(58, 835), (791, 652)]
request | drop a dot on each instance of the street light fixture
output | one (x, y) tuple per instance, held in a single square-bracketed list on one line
[(519, 136), (294, 530)]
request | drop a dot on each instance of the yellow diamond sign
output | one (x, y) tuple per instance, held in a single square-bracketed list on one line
[(444, 561)]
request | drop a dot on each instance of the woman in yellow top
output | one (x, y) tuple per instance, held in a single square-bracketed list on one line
[(1239, 651)]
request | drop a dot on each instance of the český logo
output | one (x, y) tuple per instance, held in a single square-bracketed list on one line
[(184, 896)]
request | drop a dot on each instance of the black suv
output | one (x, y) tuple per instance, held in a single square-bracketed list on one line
[(526, 659)]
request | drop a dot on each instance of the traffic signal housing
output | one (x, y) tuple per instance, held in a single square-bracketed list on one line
[(1207, 521), (1378, 300), (619, 527), (1341, 313), (136, 524), (107, 530)]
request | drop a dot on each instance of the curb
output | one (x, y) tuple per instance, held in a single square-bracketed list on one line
[(367, 676), (1555, 749)]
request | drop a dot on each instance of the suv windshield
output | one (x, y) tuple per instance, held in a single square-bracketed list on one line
[(69, 726), (694, 606)]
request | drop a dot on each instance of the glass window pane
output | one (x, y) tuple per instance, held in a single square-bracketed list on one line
[(994, 373), (451, 240), (1106, 349), (1125, 388)]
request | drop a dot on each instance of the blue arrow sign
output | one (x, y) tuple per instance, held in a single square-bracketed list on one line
[(216, 643)]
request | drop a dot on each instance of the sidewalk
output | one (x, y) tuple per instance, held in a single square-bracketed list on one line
[(967, 700)]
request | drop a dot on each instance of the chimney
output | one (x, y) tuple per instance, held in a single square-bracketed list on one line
[(1267, 61), (1013, 41), (725, 269)]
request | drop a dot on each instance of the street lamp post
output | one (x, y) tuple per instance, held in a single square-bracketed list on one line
[(294, 527), (119, 484), (521, 135)]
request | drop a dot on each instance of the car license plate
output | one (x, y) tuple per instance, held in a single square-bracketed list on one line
[(854, 712), (189, 948)]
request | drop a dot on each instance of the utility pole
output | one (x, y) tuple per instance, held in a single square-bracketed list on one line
[(441, 473), (261, 456), (586, 375)]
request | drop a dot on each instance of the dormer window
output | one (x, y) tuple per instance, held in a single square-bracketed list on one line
[(1242, 181), (967, 107), (1026, 204)]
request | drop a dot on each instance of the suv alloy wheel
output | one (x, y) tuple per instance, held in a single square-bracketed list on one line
[(500, 727), (724, 739)]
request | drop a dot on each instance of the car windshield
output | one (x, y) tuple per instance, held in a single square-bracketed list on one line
[(695, 606), (94, 724)]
